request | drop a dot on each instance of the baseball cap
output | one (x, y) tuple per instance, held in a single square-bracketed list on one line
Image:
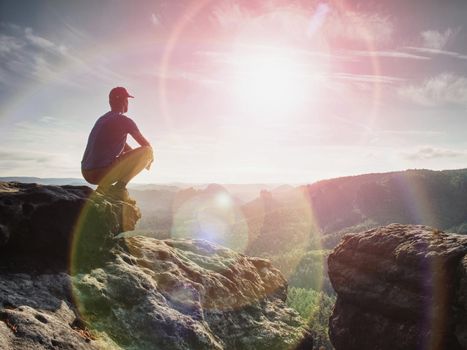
[(118, 92)]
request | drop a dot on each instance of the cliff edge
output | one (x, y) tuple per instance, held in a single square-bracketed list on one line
[(67, 282)]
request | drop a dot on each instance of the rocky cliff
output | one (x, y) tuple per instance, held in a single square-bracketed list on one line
[(399, 287), (66, 282)]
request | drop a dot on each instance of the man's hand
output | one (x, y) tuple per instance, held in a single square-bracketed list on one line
[(152, 159), (148, 167)]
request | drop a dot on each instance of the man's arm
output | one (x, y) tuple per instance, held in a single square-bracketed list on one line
[(140, 139), (143, 142)]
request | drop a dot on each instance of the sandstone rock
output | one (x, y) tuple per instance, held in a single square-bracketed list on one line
[(36, 312), (4, 235), (188, 294), (461, 294), (38, 223), (396, 289)]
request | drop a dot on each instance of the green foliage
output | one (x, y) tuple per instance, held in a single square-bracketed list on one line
[(287, 261), (462, 228), (304, 269), (331, 240), (316, 308), (311, 272)]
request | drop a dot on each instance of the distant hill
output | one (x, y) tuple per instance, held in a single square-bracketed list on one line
[(315, 216), (243, 192), (327, 209)]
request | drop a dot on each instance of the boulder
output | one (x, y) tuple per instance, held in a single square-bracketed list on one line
[(188, 294), (39, 224), (399, 287)]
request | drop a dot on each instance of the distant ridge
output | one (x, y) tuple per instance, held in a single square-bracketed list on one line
[(435, 198), (246, 191), (59, 181)]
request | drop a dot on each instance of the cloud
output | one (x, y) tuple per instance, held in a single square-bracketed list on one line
[(46, 128), (9, 44), (388, 54), (199, 77), (21, 158), (42, 43), (428, 152), (438, 52), (313, 21), (155, 20), (369, 78), (360, 26), (26, 56), (45, 146), (36, 163), (434, 39), (407, 133), (434, 43), (279, 22), (440, 90)]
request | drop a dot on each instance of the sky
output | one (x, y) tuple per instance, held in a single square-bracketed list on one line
[(238, 91)]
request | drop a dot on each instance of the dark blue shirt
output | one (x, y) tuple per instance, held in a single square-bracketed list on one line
[(107, 140)]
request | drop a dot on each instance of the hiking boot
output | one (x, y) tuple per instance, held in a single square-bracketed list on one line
[(120, 193), (103, 190)]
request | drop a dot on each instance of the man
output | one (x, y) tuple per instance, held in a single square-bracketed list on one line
[(108, 159)]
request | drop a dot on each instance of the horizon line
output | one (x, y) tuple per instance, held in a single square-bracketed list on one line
[(228, 183)]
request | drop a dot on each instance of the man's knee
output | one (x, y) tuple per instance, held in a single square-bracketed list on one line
[(147, 152), (138, 157)]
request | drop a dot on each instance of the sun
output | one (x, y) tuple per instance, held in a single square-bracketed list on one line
[(271, 83)]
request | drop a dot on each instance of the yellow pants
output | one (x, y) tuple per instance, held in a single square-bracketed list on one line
[(123, 169)]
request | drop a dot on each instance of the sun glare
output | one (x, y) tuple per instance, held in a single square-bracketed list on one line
[(272, 83)]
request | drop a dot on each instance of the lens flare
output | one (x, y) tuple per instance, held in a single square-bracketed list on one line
[(212, 217), (318, 18), (218, 218)]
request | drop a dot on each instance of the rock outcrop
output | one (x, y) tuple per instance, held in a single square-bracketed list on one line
[(39, 224), (399, 287), (66, 282)]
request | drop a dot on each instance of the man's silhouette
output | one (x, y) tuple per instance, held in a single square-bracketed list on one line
[(108, 159)]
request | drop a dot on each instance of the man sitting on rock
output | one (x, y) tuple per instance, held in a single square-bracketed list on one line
[(108, 159)]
